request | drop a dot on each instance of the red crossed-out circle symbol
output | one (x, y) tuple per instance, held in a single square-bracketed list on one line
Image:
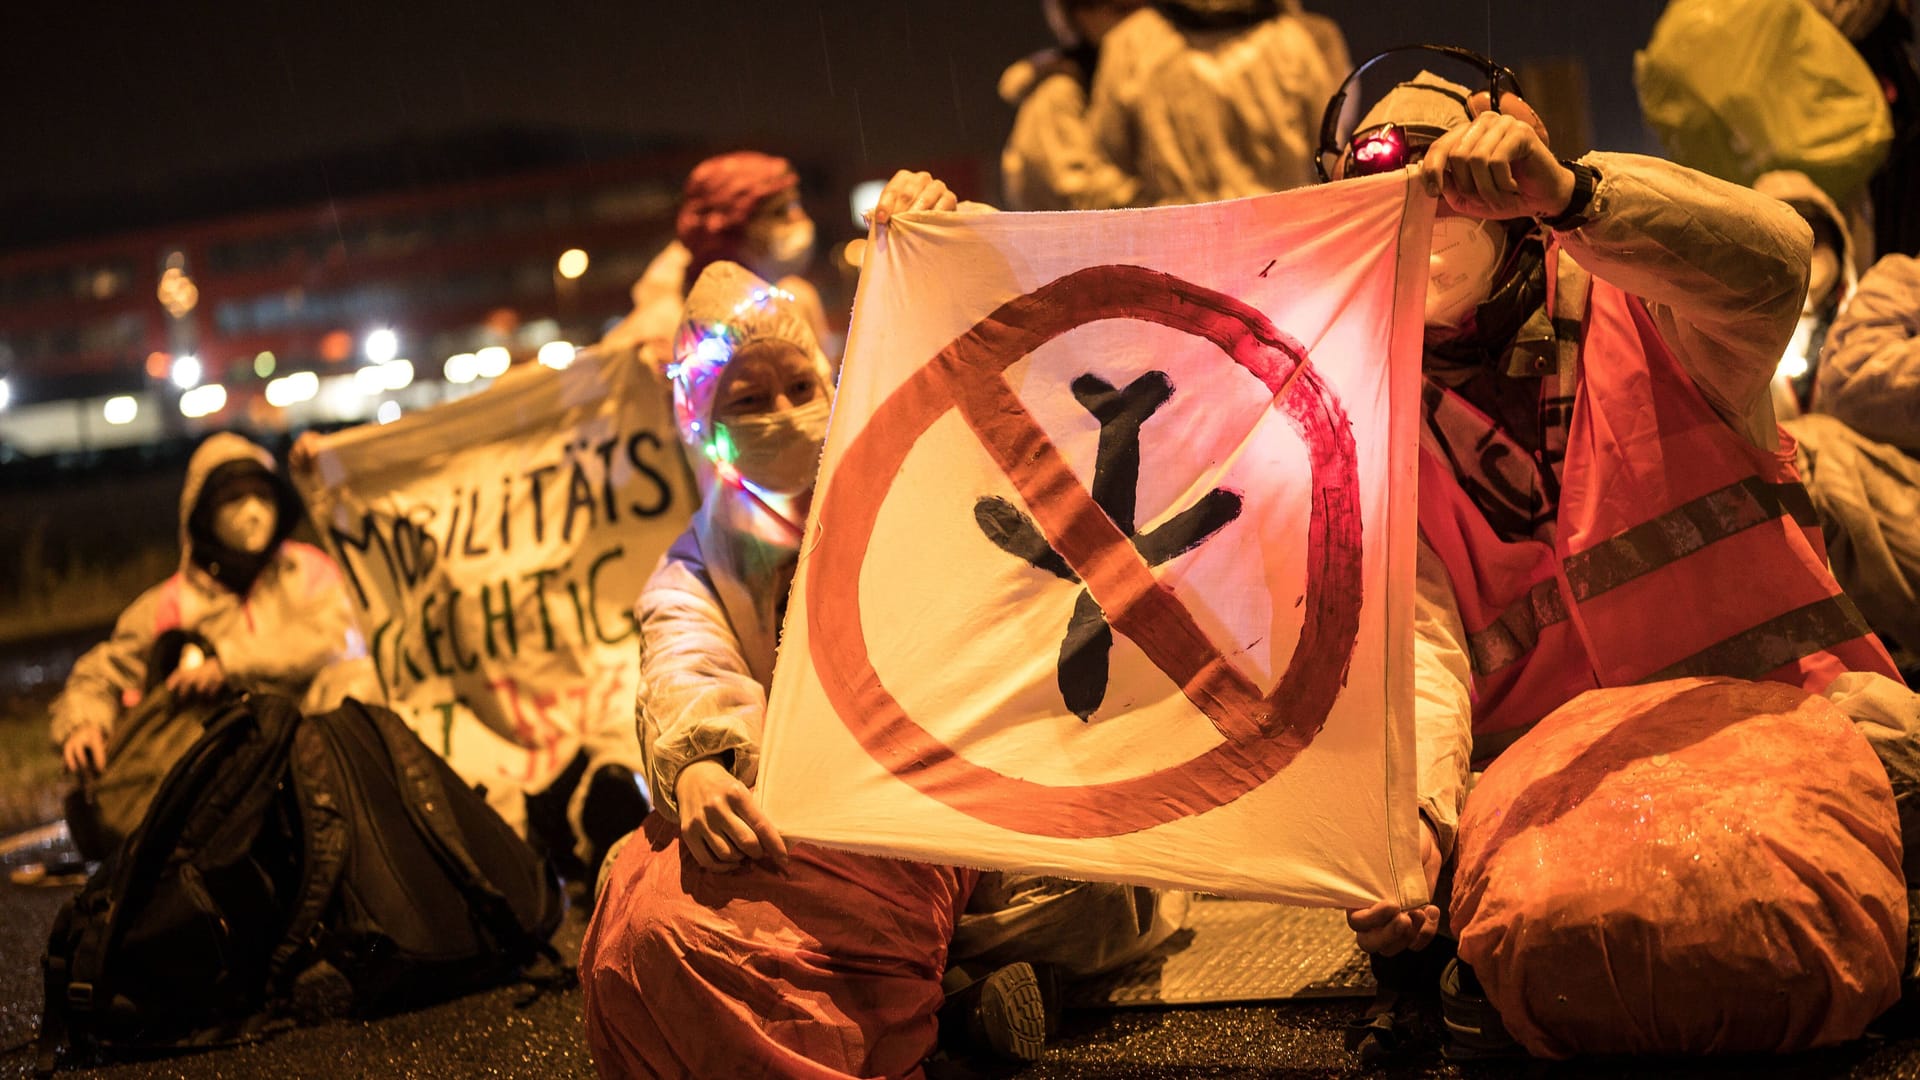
[(1263, 733)]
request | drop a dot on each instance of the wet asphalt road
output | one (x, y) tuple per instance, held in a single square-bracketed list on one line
[(490, 1035)]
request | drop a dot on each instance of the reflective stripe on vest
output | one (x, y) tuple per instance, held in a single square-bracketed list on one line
[(1641, 549), (1727, 576)]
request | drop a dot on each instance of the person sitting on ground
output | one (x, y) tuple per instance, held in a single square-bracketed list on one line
[(716, 948), (1570, 306), (248, 609), (1618, 328), (1859, 362)]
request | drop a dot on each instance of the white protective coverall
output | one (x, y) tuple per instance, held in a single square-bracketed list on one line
[(1856, 449), (1870, 369), (276, 633), (1049, 161), (1201, 100)]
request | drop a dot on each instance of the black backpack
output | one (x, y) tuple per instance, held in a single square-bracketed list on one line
[(294, 868)]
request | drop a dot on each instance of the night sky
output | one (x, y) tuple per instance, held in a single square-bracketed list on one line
[(129, 98)]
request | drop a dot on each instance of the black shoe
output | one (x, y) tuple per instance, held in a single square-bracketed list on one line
[(1008, 1014), (1474, 1030), (1377, 1037), (1403, 1020)]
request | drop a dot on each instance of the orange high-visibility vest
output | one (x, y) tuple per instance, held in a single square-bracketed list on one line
[(1680, 549)]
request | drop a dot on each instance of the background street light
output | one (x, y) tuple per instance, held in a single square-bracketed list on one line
[(203, 401), (381, 345), (492, 361), (120, 410)]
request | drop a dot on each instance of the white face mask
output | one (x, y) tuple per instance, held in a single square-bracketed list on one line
[(786, 249), (245, 524), (1466, 253), (780, 452)]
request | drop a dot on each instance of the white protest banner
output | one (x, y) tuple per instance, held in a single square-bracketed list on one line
[(495, 545), (1110, 565)]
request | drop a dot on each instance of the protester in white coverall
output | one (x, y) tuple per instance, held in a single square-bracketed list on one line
[(1050, 162), (695, 928), (1659, 275), (1717, 272), (1866, 492), (247, 610), (1197, 100), (1857, 449), (1870, 370)]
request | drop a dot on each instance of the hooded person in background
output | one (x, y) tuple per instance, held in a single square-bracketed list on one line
[(707, 915), (1858, 449), (1865, 492), (744, 208), (1198, 100), (248, 609), (1050, 162), (1831, 278)]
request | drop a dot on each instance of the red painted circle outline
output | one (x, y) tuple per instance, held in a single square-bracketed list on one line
[(1264, 733)]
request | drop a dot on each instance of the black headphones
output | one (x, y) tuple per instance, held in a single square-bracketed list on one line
[(1330, 141)]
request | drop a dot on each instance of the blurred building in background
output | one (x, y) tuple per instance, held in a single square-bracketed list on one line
[(346, 310)]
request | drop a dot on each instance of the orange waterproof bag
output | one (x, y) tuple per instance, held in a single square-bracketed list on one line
[(1701, 866)]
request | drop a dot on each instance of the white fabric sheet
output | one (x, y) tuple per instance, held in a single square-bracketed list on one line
[(1032, 402)]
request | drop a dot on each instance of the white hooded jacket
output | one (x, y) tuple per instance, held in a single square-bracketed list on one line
[(289, 624)]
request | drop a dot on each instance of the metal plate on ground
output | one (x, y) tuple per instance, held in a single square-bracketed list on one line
[(1238, 950)]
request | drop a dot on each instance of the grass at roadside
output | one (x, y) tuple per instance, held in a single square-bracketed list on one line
[(61, 596), (31, 779)]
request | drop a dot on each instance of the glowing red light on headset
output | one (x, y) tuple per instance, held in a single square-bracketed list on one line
[(1381, 151)]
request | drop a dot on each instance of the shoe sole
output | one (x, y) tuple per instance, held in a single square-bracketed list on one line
[(1013, 1013)]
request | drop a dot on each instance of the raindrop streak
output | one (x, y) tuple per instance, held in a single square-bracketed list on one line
[(826, 54), (959, 112), (860, 122)]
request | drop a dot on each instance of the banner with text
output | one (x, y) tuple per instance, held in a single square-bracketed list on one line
[(495, 546)]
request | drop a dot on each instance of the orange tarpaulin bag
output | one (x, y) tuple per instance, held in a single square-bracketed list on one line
[(1699, 866)]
